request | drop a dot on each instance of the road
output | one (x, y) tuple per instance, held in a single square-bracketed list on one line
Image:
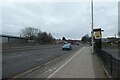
[(81, 64), (17, 62)]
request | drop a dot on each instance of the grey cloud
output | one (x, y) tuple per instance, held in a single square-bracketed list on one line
[(106, 16), (72, 20)]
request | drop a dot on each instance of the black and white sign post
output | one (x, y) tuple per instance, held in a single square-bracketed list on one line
[(98, 38)]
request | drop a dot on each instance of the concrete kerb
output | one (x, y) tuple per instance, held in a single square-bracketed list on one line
[(105, 70)]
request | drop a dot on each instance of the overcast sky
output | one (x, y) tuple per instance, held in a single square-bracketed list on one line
[(69, 19)]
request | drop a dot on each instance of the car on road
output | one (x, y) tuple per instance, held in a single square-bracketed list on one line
[(67, 46), (77, 43)]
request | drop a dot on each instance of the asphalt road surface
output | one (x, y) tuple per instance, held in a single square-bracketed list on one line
[(14, 63)]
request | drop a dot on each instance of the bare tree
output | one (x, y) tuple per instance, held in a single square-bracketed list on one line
[(45, 38), (119, 34), (86, 38), (29, 32), (37, 35), (63, 38)]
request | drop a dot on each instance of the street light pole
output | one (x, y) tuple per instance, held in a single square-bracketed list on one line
[(92, 25)]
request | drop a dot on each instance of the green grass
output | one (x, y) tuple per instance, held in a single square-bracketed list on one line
[(110, 44)]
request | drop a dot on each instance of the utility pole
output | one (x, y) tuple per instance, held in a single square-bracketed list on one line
[(92, 26)]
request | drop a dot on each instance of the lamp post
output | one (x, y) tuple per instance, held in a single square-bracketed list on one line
[(92, 25)]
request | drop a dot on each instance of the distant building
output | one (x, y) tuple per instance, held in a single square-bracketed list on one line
[(12, 39), (58, 41), (73, 41)]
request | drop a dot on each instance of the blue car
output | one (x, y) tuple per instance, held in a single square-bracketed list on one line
[(67, 47)]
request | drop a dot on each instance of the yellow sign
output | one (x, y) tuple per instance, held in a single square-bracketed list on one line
[(97, 35)]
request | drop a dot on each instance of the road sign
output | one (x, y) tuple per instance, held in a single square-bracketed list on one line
[(98, 35)]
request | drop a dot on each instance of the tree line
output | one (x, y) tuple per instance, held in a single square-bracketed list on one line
[(35, 34), (86, 38)]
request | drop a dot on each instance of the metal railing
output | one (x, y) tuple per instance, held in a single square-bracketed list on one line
[(111, 64)]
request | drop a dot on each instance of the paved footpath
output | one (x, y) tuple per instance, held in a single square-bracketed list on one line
[(81, 65)]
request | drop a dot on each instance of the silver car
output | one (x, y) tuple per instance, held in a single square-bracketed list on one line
[(67, 46)]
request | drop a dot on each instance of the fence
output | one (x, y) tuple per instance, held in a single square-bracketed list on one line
[(5, 39), (111, 64)]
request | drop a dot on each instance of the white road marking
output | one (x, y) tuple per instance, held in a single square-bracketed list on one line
[(51, 69), (65, 63)]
